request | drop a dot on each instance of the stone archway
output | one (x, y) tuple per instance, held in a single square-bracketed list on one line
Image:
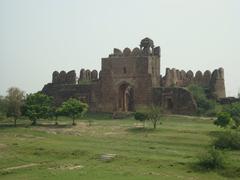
[(125, 98)]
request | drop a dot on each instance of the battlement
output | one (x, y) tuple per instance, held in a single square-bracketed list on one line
[(146, 49), (214, 81), (71, 77)]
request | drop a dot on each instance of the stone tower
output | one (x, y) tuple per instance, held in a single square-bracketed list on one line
[(127, 77)]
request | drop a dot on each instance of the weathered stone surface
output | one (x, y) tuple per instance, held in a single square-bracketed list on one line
[(228, 100), (88, 75), (157, 51), (147, 46), (214, 83), (55, 77), (82, 75), (71, 77), (190, 75), (198, 77), (62, 77), (175, 100), (117, 52), (136, 52), (94, 75), (183, 75), (206, 78), (126, 52), (217, 84)]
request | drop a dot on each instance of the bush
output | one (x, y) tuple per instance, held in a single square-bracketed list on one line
[(212, 159), (140, 116), (234, 111), (228, 140), (205, 106), (236, 120), (223, 120)]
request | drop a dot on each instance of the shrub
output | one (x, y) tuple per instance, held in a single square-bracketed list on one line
[(223, 120), (212, 159), (236, 120), (140, 116), (234, 111), (154, 115), (205, 106), (228, 140), (73, 108)]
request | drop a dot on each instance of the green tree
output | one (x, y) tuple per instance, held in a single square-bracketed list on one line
[(14, 99), (38, 106), (154, 115), (54, 113), (223, 120), (234, 111), (212, 159), (205, 105), (73, 108), (3, 106)]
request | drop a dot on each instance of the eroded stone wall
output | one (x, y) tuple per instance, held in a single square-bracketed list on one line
[(213, 81), (176, 100), (71, 77)]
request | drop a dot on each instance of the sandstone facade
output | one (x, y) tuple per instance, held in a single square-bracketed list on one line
[(130, 79)]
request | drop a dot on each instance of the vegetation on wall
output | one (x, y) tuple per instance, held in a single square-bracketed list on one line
[(205, 105)]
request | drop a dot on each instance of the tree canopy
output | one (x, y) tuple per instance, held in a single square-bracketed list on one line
[(14, 100), (38, 106), (73, 108)]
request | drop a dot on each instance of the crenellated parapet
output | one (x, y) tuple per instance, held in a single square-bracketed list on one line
[(71, 77), (213, 81), (146, 49), (87, 75), (64, 78)]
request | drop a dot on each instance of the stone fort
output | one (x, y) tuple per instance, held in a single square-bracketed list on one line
[(130, 79)]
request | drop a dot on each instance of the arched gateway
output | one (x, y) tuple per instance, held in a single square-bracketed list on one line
[(125, 98)]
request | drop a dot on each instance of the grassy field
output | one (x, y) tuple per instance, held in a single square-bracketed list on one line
[(66, 152)]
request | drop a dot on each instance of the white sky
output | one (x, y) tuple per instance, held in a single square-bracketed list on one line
[(40, 36)]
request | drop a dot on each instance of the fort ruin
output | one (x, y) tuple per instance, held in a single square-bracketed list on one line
[(130, 79)]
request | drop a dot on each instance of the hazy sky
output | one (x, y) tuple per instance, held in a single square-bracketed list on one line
[(40, 36)]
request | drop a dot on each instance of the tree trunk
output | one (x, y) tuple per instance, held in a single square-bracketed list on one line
[(56, 120), (155, 124), (15, 122), (73, 122), (34, 122)]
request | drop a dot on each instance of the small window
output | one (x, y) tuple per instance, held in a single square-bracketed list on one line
[(124, 70)]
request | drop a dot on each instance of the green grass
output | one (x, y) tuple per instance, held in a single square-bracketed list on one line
[(50, 151)]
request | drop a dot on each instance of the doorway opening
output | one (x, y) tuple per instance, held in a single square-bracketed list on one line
[(125, 98)]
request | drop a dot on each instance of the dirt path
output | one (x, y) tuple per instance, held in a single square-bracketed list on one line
[(20, 167)]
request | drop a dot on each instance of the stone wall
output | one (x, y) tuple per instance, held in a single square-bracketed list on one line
[(134, 68), (71, 77), (213, 81), (85, 92), (175, 100)]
